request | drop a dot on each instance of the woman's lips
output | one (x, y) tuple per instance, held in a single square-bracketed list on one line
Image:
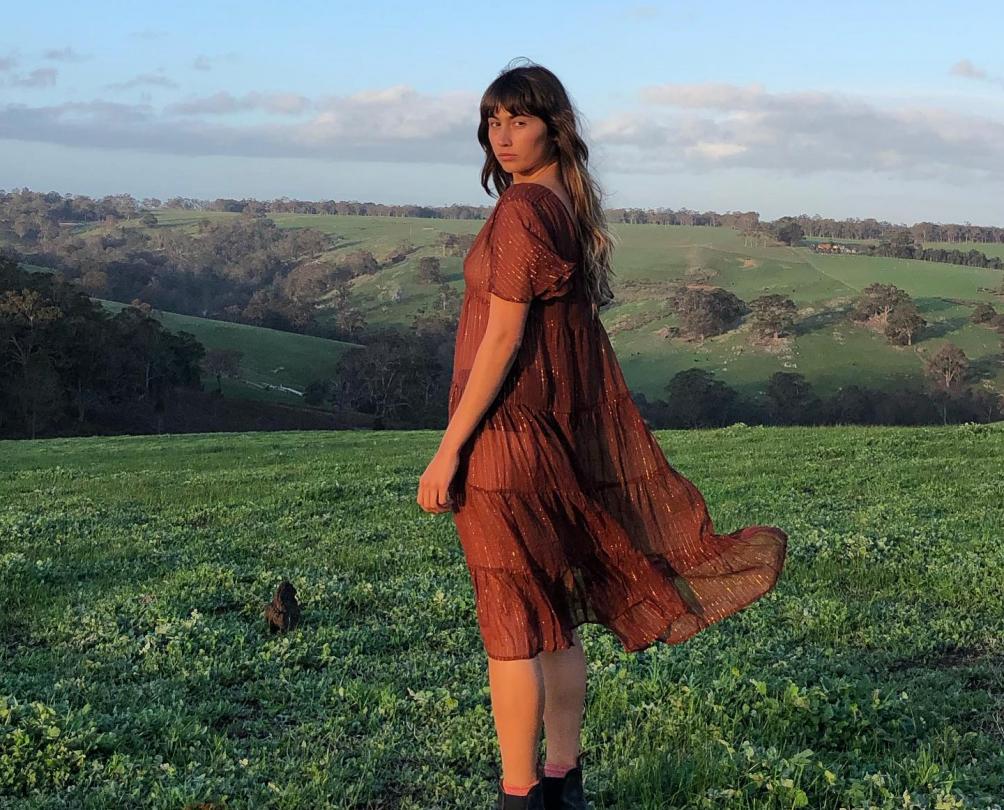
[(506, 157)]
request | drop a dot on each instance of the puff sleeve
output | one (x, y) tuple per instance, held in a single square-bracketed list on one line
[(523, 263)]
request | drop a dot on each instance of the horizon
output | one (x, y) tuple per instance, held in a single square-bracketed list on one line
[(751, 111), (426, 205)]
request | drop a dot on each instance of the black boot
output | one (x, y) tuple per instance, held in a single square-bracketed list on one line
[(534, 800), (565, 792)]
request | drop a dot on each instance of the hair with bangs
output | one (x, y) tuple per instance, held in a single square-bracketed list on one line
[(534, 90)]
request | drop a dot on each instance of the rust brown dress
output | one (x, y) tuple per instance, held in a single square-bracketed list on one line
[(565, 505)]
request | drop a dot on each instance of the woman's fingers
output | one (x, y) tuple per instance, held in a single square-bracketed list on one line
[(433, 499)]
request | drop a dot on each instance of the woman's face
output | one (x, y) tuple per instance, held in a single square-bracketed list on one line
[(520, 142)]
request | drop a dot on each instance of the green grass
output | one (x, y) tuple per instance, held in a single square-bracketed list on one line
[(988, 248), (271, 357), (135, 670)]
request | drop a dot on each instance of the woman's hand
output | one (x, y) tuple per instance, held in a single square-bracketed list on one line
[(434, 485)]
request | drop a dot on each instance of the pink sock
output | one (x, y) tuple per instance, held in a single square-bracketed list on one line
[(558, 769), (517, 790)]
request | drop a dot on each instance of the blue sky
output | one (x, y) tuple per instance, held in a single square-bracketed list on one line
[(891, 110)]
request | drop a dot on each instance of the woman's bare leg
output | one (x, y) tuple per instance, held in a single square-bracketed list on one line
[(564, 674), (517, 689)]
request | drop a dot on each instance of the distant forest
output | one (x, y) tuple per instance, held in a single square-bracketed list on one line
[(26, 211)]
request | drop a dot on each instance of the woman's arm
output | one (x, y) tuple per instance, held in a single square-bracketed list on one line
[(492, 361)]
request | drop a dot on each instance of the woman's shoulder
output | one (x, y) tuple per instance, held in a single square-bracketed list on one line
[(534, 202), (521, 202), (533, 193)]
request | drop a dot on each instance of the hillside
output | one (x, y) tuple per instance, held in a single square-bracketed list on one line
[(272, 359), (829, 350)]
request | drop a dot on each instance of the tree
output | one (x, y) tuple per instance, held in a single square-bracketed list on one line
[(877, 299), (949, 368), (902, 244), (982, 313), (428, 270), (903, 323), (82, 360), (773, 314), (851, 405), (359, 263), (706, 312), (95, 282), (990, 403), (791, 400), (788, 230), (40, 394), (317, 392), (25, 319), (222, 363), (696, 399), (396, 376)]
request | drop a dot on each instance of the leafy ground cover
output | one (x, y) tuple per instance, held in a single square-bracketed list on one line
[(136, 671)]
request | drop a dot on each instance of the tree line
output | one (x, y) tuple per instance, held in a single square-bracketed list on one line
[(900, 244), (26, 211), (903, 245)]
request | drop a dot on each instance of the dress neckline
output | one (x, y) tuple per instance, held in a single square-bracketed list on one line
[(561, 203)]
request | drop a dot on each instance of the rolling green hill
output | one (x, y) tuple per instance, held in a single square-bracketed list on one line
[(829, 350), (272, 358)]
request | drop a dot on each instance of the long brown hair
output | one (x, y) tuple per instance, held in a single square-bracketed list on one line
[(535, 90)]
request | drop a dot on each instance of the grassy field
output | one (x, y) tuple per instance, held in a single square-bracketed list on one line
[(271, 357), (135, 670), (989, 248)]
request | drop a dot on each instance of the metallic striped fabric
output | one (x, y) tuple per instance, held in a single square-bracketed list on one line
[(566, 508)]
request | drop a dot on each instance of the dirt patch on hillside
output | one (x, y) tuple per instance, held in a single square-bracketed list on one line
[(749, 264)]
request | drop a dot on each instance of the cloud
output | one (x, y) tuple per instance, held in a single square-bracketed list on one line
[(66, 54), (143, 80), (40, 77), (224, 103), (677, 127), (708, 95), (7, 63), (394, 124), (967, 70), (708, 126)]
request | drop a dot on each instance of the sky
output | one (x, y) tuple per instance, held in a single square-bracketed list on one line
[(892, 110)]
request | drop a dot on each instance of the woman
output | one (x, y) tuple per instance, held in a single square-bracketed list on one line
[(566, 508)]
